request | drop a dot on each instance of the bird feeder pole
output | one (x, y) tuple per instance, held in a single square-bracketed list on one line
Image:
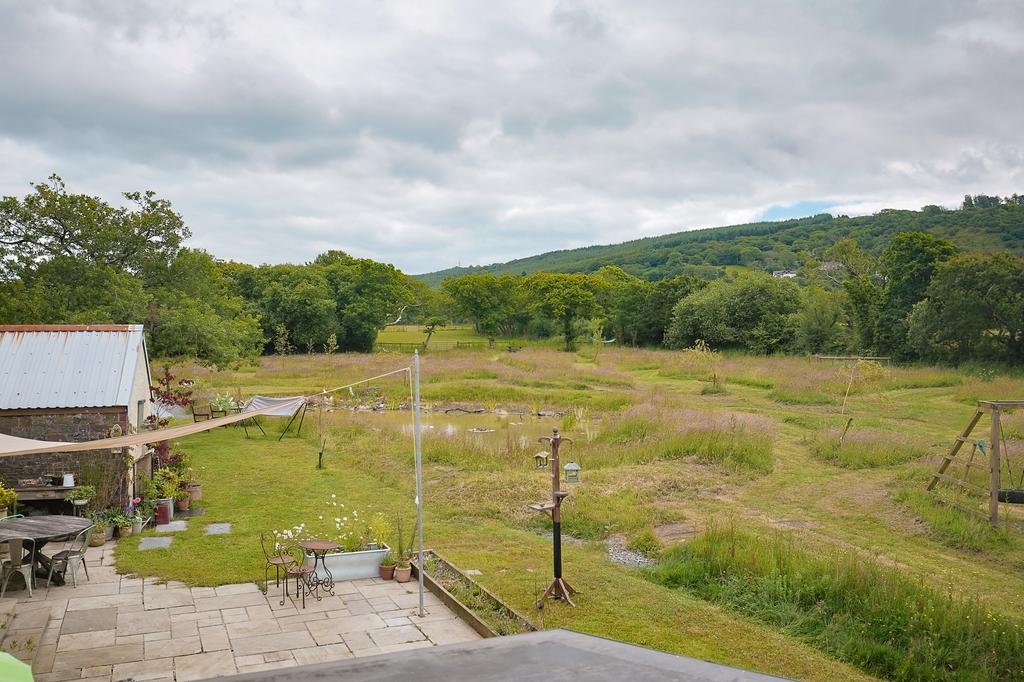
[(559, 588)]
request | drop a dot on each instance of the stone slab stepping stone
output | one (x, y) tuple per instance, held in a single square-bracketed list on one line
[(171, 527), (218, 528), (154, 543)]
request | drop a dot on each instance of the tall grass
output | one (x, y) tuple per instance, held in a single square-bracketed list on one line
[(952, 525), (865, 448), (652, 431), (854, 608), (990, 388)]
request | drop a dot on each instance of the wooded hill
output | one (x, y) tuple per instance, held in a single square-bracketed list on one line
[(982, 223)]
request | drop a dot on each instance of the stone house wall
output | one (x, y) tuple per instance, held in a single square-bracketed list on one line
[(70, 424)]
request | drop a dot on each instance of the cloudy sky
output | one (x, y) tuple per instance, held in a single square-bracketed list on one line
[(434, 133)]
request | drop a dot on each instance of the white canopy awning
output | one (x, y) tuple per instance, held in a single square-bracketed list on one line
[(280, 407), (11, 446)]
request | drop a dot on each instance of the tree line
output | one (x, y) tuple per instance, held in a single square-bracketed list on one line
[(921, 299), (74, 258), (983, 222)]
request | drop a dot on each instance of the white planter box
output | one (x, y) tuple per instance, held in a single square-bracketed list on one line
[(351, 565)]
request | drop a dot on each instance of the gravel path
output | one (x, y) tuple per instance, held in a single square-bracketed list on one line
[(618, 553)]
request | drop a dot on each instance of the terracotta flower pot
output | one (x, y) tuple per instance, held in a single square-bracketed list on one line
[(182, 504), (195, 492), (387, 572), (402, 575), (124, 531), (97, 539)]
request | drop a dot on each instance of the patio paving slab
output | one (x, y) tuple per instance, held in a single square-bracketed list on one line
[(218, 529), (154, 543), (116, 627), (172, 527)]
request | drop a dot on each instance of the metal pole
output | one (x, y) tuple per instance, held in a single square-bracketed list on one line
[(419, 468), (556, 516)]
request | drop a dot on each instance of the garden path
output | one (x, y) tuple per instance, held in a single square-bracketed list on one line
[(114, 627)]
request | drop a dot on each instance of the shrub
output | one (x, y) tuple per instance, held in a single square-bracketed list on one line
[(7, 498), (645, 543), (849, 606)]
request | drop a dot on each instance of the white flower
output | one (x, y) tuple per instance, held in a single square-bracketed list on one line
[(321, 517)]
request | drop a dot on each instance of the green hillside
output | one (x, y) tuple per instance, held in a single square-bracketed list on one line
[(775, 245)]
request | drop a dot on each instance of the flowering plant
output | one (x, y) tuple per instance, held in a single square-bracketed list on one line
[(348, 531), (133, 510), (223, 403)]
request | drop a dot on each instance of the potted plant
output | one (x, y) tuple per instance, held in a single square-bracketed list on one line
[(123, 522), (166, 484), (403, 571), (99, 532), (193, 486), (403, 566), (354, 560), (387, 567), (7, 500), (80, 495), (182, 499)]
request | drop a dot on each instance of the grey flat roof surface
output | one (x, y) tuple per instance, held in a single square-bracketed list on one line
[(550, 655)]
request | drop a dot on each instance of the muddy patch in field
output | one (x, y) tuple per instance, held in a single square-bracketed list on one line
[(675, 532)]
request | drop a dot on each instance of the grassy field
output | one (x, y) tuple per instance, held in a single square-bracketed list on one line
[(413, 333), (662, 458)]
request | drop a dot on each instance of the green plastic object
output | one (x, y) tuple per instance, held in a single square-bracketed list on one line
[(13, 670)]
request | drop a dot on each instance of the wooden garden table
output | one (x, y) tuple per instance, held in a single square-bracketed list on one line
[(42, 529)]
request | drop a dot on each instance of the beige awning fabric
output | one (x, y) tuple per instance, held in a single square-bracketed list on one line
[(12, 446)]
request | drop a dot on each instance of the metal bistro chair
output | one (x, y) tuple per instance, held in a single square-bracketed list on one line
[(300, 571), (3, 545), (71, 557), (17, 564), (278, 559)]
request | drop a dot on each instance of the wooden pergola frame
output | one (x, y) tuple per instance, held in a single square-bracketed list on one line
[(994, 408)]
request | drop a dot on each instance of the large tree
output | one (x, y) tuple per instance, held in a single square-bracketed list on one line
[(564, 299), (908, 263), (52, 223), (753, 312), (974, 310), (493, 304)]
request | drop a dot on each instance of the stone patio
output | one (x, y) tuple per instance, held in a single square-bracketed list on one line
[(115, 626)]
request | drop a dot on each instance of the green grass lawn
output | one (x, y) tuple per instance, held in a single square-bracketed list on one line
[(657, 455)]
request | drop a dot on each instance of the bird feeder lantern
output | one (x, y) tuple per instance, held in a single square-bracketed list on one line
[(572, 472), (540, 460)]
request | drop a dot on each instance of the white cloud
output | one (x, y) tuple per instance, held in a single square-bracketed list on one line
[(430, 134)]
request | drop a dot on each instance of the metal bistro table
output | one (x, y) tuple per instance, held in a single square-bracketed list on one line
[(319, 550), (42, 529)]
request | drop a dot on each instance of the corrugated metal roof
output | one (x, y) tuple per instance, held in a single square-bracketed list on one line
[(68, 365)]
